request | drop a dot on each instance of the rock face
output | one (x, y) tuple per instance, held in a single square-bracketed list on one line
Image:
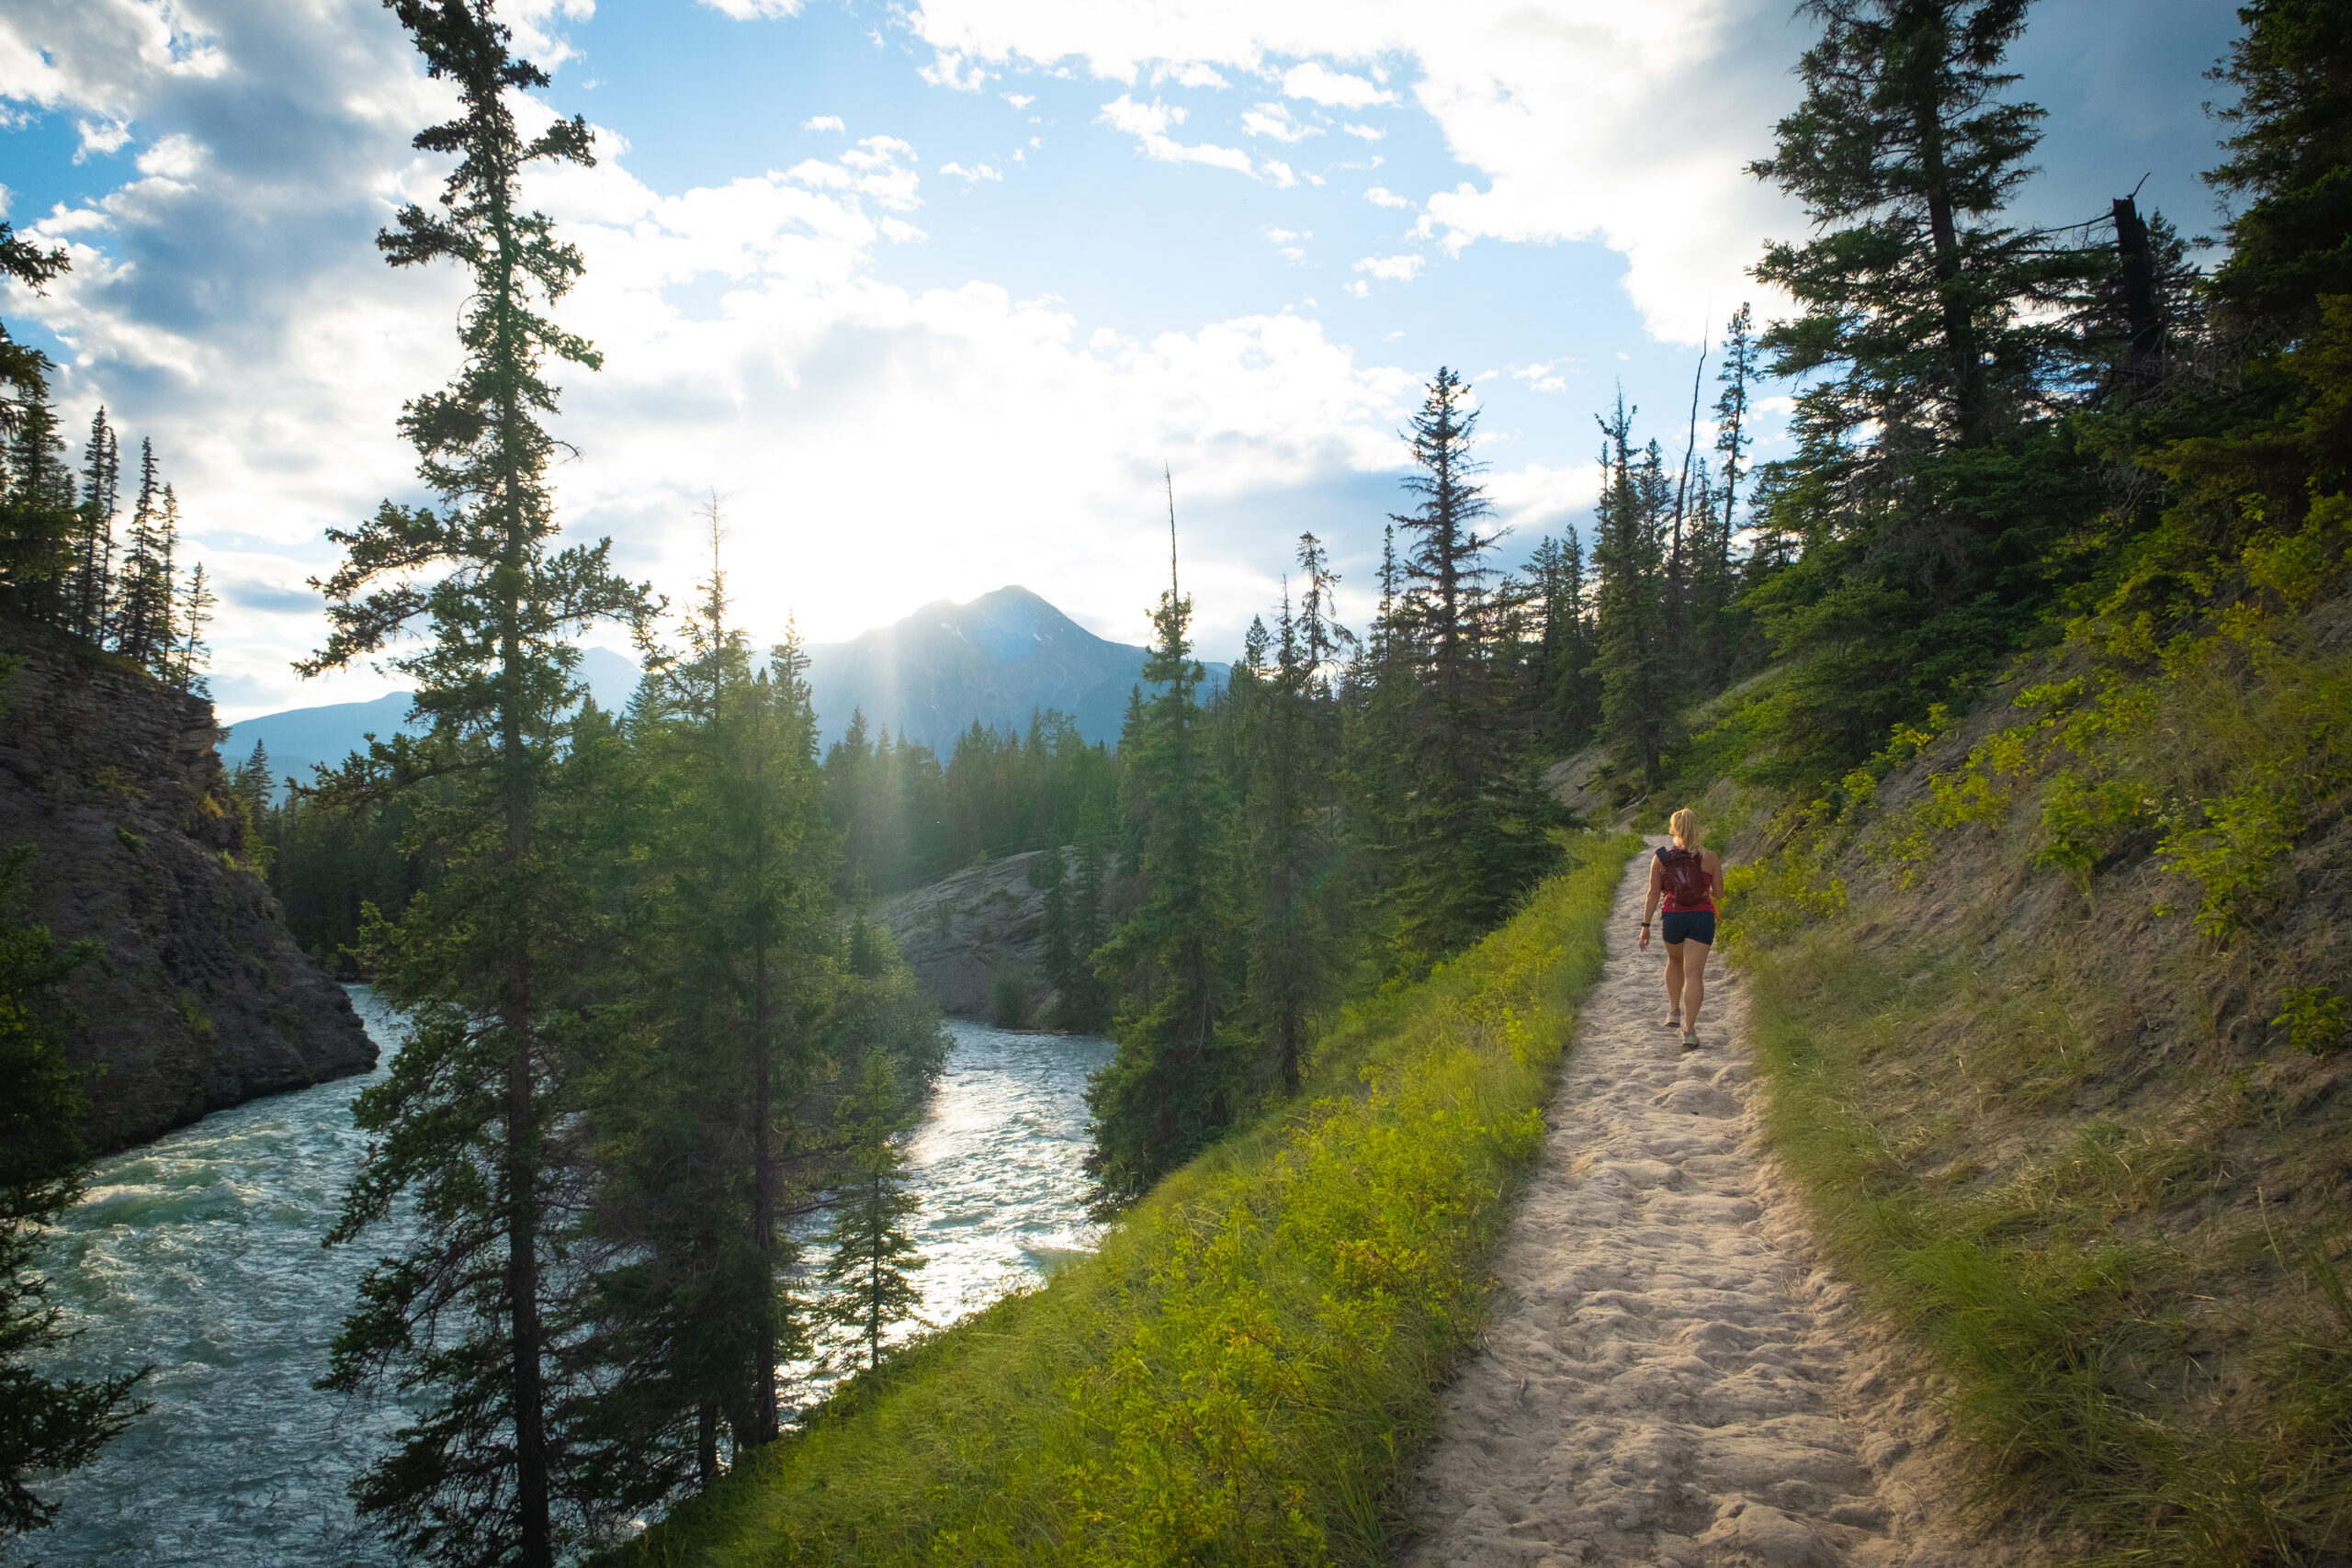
[(200, 1000), (959, 932)]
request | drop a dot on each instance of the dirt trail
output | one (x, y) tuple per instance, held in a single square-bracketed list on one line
[(1669, 1378)]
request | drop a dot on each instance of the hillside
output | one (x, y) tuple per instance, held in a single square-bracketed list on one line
[(202, 1001), (2053, 1019)]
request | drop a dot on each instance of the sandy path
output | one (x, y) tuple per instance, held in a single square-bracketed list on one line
[(1667, 1379)]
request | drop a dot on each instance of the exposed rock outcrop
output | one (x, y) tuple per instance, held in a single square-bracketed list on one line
[(200, 1000), (959, 932)]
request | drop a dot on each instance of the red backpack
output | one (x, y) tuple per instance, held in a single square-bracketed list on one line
[(1685, 880)]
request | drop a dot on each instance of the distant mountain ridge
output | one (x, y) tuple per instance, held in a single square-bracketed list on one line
[(995, 659)]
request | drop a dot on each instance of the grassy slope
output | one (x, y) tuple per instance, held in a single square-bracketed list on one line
[(1246, 1371), (2053, 1022)]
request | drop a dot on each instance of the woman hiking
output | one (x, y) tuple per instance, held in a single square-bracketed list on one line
[(1688, 878)]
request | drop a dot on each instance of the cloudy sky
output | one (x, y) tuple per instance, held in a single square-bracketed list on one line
[(928, 291)]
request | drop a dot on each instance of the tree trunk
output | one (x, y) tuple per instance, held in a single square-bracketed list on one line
[(764, 1425)]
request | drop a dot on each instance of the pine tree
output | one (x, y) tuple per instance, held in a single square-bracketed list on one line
[(1171, 1088), (1630, 653), (24, 372), (38, 519), (101, 487), (1087, 999), (144, 604), (1569, 692), (1283, 790), (48, 1425), (1930, 484), (466, 1128), (1453, 743), (750, 853), (193, 653), (870, 1257)]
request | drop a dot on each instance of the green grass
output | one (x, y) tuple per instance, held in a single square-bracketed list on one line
[(1248, 1369), (2138, 1360)]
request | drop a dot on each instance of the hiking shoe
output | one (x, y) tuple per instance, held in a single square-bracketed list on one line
[(1671, 1020), (1689, 1040)]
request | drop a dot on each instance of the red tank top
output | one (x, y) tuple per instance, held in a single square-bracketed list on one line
[(1687, 887)]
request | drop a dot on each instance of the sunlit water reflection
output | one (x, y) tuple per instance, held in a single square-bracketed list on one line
[(200, 1253)]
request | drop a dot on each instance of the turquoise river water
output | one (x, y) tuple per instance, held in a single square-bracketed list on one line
[(198, 1253)]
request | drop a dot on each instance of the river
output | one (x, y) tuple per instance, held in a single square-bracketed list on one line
[(200, 1253)]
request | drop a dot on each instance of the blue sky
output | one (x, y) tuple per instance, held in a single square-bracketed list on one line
[(927, 292)]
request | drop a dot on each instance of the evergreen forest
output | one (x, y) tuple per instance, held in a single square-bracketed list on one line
[(646, 1140)]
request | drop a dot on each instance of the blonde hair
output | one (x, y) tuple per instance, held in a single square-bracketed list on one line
[(1684, 825)]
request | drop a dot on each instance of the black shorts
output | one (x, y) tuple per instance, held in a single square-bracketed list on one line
[(1689, 925)]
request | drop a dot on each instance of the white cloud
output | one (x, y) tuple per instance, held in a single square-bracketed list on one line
[(1380, 196), (1393, 269), (1536, 499), (1359, 288), (227, 301), (1368, 132), (1287, 236), (103, 137), (1019, 100), (1278, 174), (1276, 121), (824, 122), (949, 69), (1333, 89), (755, 10), (1585, 120), (976, 171), (1190, 74), (1148, 124), (1543, 378)]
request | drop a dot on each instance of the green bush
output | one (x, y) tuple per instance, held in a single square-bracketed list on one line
[(1009, 998)]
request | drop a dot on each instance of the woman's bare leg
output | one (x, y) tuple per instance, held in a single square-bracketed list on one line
[(1694, 980), (1673, 980)]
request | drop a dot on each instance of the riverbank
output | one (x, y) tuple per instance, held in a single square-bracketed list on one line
[(198, 1253), (1245, 1371)]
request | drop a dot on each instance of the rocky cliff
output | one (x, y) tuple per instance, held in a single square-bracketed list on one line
[(957, 933), (200, 1000)]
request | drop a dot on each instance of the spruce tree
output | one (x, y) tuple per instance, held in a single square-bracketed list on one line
[(870, 1257), (48, 1425), (1169, 1088), (749, 856), (1569, 692), (1930, 485), (144, 605), (189, 659), (1087, 999), (1631, 652), (38, 517), (1466, 820), (24, 371), (1284, 793), (466, 1130), (101, 487)]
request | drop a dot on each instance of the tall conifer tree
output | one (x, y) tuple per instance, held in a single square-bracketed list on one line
[(465, 1127), (1171, 1088), (1628, 553)]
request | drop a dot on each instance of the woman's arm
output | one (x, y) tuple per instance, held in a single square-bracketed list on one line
[(1649, 904), (1716, 872)]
